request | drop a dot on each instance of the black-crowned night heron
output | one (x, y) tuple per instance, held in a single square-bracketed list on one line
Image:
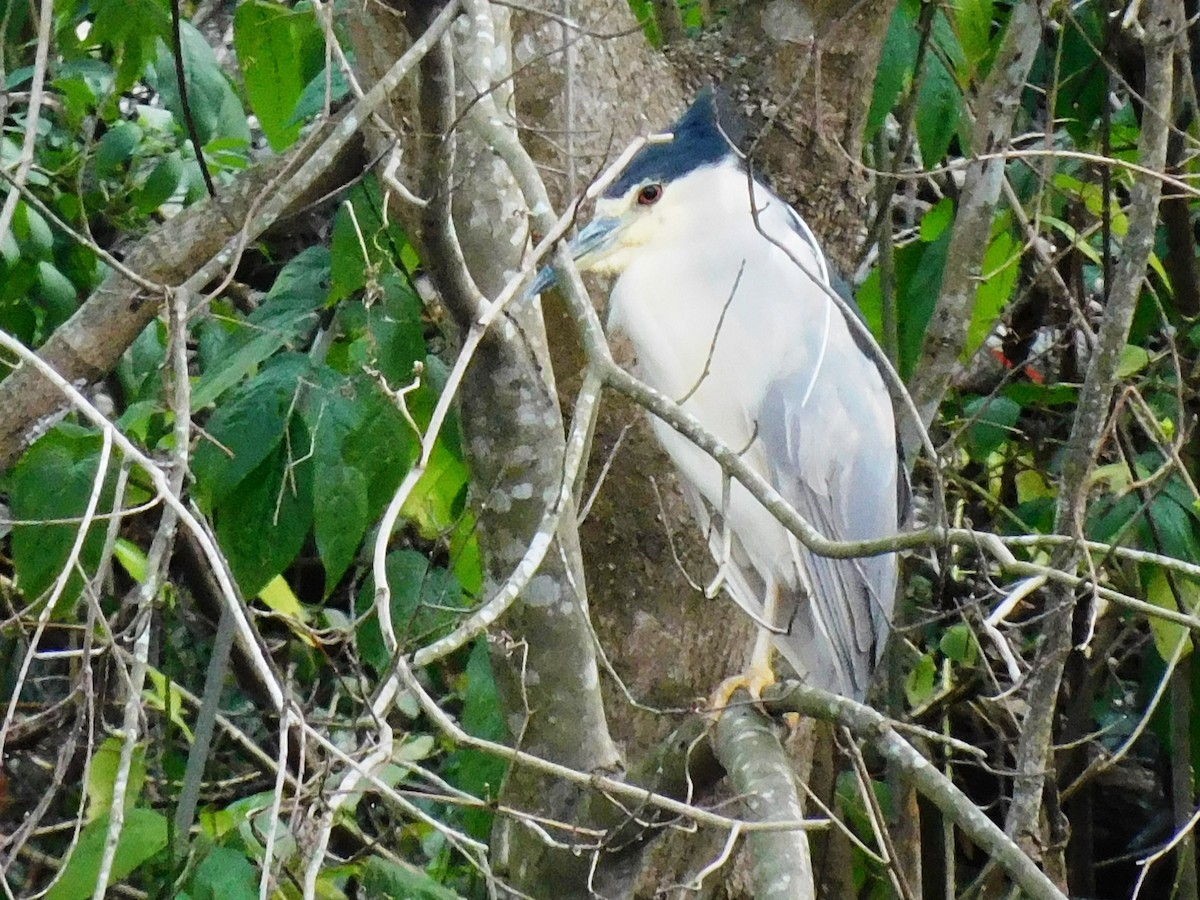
[(724, 293)]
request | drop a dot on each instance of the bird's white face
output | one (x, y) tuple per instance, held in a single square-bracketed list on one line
[(654, 213)]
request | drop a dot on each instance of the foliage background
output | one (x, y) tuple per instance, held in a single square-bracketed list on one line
[(289, 388)]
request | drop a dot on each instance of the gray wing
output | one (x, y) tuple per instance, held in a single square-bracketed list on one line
[(831, 449)]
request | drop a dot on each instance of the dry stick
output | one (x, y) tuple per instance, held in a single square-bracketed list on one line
[(258, 657), (25, 163), (1033, 751), (872, 726)]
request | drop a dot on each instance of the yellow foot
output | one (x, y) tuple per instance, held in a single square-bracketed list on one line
[(754, 681)]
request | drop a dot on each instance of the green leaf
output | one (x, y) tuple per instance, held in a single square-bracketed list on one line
[(287, 315), (263, 522), (894, 72), (160, 185), (102, 775), (216, 110), (958, 644), (116, 149), (939, 108), (131, 558), (1001, 266), (340, 518), (437, 498), (164, 695), (32, 232), (1167, 635), (312, 98), (131, 29), (479, 774), (424, 600), (225, 874), (934, 222), (57, 294), (52, 481), (994, 419), (919, 685), (1133, 360), (143, 836), (279, 596), (280, 51), (246, 429), (387, 880), (973, 26)]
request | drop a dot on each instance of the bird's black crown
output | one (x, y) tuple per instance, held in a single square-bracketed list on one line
[(702, 138)]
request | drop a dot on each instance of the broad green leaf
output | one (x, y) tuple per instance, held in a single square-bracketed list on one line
[(919, 685), (53, 481), (280, 51), (958, 644), (934, 222), (1133, 360), (160, 185), (436, 500), (143, 836), (424, 600), (279, 596), (918, 275), (1001, 266), (102, 776), (57, 294), (973, 26), (313, 97), (340, 518), (263, 522), (117, 148), (994, 418), (225, 874), (1032, 485), (216, 110), (287, 315), (131, 29), (1167, 635), (894, 73), (939, 107), (32, 232), (384, 879), (479, 774), (246, 429)]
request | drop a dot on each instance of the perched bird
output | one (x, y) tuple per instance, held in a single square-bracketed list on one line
[(725, 295)]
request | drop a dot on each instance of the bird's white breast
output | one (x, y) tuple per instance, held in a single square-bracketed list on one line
[(717, 313)]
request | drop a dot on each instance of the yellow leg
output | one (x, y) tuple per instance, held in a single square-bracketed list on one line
[(759, 675)]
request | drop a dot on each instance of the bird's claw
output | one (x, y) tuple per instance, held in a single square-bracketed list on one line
[(754, 680)]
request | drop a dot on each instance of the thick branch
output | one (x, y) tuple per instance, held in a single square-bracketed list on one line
[(877, 730), (762, 775)]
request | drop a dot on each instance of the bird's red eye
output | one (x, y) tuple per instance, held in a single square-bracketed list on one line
[(649, 194)]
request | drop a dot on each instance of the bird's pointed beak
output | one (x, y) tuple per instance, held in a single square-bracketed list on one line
[(590, 246)]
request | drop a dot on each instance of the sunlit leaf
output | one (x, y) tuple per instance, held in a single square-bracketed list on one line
[(280, 51), (102, 775), (144, 834)]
